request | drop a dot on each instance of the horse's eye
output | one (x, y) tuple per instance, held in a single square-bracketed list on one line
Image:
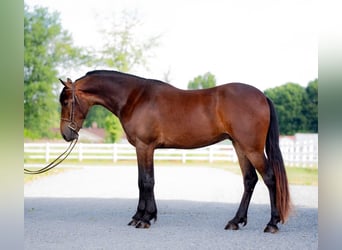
[(65, 103)]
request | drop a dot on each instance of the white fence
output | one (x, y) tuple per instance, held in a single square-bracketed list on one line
[(294, 154), (300, 153)]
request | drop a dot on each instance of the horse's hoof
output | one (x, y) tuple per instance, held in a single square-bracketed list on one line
[(232, 226), (133, 222), (271, 229), (142, 224)]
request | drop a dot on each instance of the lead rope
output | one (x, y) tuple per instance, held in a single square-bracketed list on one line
[(54, 163)]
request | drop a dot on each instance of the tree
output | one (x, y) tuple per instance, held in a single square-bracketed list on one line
[(296, 107), (47, 47), (96, 114), (113, 128), (310, 107), (207, 80), (288, 100), (122, 48), (123, 51)]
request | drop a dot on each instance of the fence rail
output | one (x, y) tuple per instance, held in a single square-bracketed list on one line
[(294, 154)]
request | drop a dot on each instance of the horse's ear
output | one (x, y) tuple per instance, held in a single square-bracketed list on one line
[(62, 82), (67, 84)]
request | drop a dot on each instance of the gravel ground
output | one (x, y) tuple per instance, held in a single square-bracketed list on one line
[(89, 208)]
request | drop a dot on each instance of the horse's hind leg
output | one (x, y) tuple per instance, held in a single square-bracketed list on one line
[(250, 179), (260, 163)]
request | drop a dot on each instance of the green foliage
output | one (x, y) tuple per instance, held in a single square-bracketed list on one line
[(207, 80), (40, 109), (96, 114), (113, 128), (296, 107), (310, 109), (105, 119), (30, 134), (47, 47)]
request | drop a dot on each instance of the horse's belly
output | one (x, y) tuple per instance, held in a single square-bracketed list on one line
[(187, 136)]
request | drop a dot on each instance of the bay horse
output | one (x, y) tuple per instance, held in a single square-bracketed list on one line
[(155, 115)]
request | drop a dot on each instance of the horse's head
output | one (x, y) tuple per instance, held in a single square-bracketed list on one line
[(73, 111)]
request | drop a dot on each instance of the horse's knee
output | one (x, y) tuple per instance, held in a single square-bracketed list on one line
[(146, 179), (148, 185)]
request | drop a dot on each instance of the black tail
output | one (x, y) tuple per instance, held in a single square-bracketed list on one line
[(275, 160)]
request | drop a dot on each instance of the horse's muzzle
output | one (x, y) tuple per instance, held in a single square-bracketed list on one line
[(68, 133)]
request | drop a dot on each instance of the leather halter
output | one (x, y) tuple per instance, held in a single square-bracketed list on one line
[(72, 123)]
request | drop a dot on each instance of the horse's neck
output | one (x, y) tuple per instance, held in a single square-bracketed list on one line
[(112, 93)]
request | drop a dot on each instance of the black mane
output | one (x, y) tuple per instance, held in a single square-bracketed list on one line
[(110, 72), (119, 74)]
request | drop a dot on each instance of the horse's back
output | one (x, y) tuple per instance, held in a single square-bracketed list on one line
[(184, 118)]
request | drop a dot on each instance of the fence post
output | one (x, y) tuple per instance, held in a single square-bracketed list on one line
[(292, 154), (211, 154), (305, 154), (183, 156), (80, 152), (115, 152), (47, 152), (311, 154)]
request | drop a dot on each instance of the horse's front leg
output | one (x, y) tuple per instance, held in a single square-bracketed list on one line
[(147, 209)]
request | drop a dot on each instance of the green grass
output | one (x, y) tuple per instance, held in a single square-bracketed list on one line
[(296, 175), (302, 176)]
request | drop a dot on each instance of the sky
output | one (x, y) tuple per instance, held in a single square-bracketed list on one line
[(263, 43)]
